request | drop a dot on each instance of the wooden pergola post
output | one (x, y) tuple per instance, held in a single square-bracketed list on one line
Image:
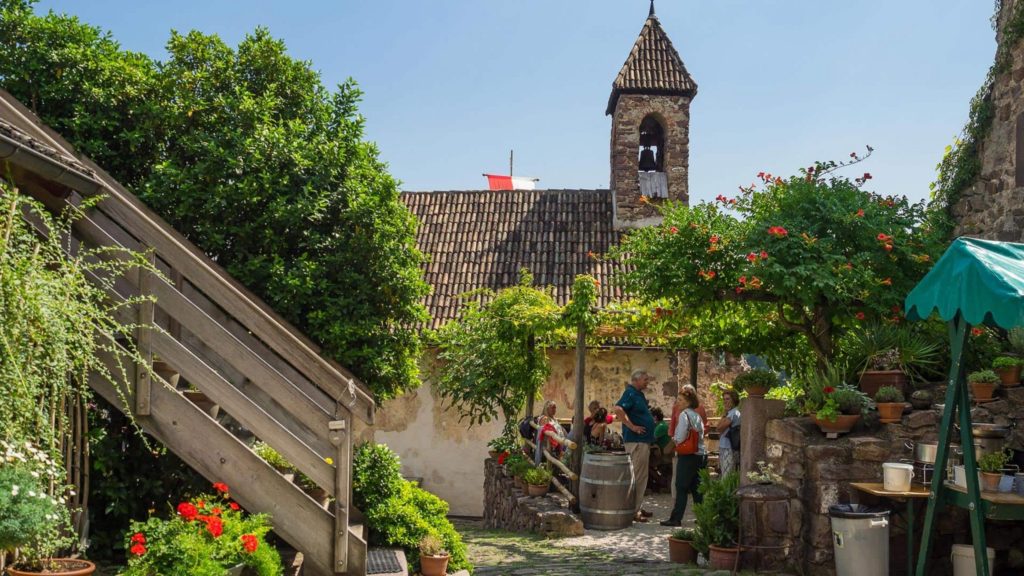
[(577, 422)]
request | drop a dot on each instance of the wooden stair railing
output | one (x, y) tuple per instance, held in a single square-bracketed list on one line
[(263, 377)]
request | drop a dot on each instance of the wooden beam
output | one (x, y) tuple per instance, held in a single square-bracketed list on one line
[(146, 323), (555, 461), (341, 438), (577, 428), (217, 455), (560, 439)]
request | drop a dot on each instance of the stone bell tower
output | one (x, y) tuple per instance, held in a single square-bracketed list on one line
[(650, 142)]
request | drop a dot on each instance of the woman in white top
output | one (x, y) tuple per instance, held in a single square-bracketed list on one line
[(688, 466)]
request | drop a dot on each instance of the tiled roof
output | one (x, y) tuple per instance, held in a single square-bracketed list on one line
[(481, 239), (653, 67)]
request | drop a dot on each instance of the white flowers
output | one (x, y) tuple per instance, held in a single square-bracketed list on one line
[(15, 489)]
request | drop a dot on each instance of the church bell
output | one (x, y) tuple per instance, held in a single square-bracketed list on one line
[(647, 161)]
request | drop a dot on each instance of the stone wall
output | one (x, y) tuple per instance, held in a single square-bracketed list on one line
[(818, 471), (673, 112), (506, 507), (445, 454), (992, 207)]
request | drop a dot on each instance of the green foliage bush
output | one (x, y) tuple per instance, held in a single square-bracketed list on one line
[(398, 512), (206, 542), (850, 400), (1004, 362), (538, 476), (718, 516), (982, 376), (304, 212), (888, 394), (755, 378)]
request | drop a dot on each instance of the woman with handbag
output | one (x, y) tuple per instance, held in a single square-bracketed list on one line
[(690, 457)]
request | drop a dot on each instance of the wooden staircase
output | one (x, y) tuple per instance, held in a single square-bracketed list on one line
[(225, 342)]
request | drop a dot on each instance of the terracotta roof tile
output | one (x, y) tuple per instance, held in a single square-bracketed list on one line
[(653, 67), (481, 239)]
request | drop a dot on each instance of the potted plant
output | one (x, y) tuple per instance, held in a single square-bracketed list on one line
[(35, 522), (890, 404), (503, 443), (765, 474), (209, 534), (991, 466), (680, 546), (433, 556), (756, 382), (883, 369), (841, 409), (718, 520), (517, 464), (921, 399), (538, 481), (1008, 369), (983, 384)]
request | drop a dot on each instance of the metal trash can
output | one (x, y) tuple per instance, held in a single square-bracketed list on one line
[(860, 539)]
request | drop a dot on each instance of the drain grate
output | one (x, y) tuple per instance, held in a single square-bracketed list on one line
[(382, 561)]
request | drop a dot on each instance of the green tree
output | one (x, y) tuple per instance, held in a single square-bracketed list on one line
[(493, 357), (805, 256), (248, 154)]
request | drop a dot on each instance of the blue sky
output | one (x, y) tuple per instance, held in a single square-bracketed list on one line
[(452, 85)]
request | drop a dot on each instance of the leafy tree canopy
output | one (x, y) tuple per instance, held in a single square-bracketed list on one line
[(802, 256), (248, 154)]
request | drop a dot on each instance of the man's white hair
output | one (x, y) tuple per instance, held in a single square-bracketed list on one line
[(637, 374)]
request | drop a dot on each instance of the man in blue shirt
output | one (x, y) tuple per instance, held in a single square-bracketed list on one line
[(637, 434)]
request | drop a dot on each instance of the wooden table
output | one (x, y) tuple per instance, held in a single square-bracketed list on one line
[(916, 492), (994, 505)]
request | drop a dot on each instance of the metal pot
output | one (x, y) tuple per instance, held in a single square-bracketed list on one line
[(925, 452), (989, 431)]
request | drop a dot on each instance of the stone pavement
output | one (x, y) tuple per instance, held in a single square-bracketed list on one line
[(640, 550)]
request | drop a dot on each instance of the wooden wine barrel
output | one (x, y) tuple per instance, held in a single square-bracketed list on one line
[(607, 493)]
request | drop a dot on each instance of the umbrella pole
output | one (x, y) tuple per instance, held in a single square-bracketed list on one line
[(957, 402)]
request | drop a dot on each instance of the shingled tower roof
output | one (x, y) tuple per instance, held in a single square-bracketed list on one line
[(653, 67)]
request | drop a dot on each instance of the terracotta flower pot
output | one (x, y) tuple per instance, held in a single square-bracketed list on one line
[(983, 390), (721, 558), (990, 481), (434, 565), (872, 380), (64, 567), (890, 412), (843, 424), (1009, 377), (757, 391), (681, 551), (538, 489)]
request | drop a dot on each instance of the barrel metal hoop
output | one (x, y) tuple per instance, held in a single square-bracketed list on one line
[(609, 512), (628, 482)]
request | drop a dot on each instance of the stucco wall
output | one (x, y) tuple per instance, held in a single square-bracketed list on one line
[(435, 446)]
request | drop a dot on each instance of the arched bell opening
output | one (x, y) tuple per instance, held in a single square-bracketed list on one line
[(652, 145)]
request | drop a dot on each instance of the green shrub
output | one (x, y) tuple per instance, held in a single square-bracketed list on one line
[(537, 476), (850, 400), (398, 512), (982, 377), (757, 378), (888, 394), (687, 534), (718, 516), (1004, 362)]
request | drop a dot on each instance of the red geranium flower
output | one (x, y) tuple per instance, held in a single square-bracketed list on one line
[(674, 230), (777, 231), (714, 238), (751, 257), (764, 255), (828, 389), (860, 316), (187, 511), (977, 331), (502, 457), (250, 543), (234, 506), (860, 213), (214, 526), (220, 487), (137, 549), (138, 538), (215, 511)]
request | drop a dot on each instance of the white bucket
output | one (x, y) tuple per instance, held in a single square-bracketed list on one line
[(963, 559), (896, 476)]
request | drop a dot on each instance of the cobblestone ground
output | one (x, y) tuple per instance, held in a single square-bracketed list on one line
[(640, 550)]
